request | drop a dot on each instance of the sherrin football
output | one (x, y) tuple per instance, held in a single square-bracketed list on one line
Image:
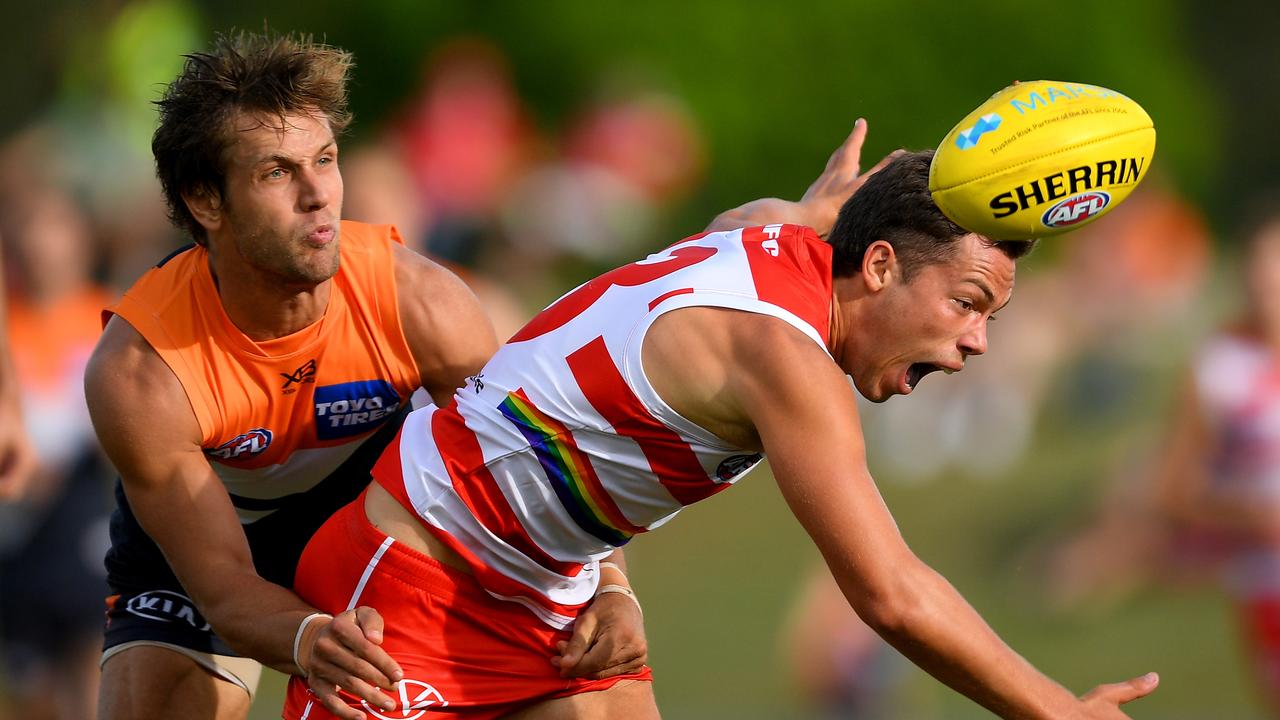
[(1041, 158)]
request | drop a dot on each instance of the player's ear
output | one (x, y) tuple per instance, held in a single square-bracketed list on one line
[(206, 207), (879, 265)]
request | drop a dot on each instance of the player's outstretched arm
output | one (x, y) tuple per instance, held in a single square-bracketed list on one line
[(799, 400), (759, 383), (821, 202), (148, 430)]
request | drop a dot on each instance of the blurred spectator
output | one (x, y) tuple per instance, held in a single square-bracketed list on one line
[(837, 664), (1219, 474), (624, 160), (464, 175), (378, 190), (465, 140), (52, 539)]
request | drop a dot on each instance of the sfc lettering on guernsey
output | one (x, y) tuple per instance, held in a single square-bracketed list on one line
[(1073, 181)]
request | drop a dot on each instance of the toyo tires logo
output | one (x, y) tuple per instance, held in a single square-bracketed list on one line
[(1076, 209)]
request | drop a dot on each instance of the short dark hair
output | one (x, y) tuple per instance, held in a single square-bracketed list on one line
[(241, 73), (894, 205)]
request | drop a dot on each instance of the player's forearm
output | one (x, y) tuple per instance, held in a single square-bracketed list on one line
[(765, 211), (257, 618), (931, 624)]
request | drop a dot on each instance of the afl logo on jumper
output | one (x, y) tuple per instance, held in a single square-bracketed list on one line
[(353, 408), (243, 446), (167, 606), (734, 467)]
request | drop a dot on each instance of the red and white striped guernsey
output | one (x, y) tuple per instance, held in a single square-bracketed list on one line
[(560, 450)]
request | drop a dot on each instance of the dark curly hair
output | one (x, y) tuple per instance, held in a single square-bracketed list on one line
[(241, 73)]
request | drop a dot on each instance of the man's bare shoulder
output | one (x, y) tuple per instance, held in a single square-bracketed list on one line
[(738, 342), (447, 330), (425, 286), (710, 364), (129, 388)]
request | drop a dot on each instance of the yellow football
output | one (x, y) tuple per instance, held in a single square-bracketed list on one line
[(1041, 158)]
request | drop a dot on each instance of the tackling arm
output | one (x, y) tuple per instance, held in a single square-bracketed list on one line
[(757, 382), (143, 420), (448, 332)]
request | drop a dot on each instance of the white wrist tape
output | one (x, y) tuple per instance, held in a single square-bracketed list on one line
[(621, 590), (297, 638)]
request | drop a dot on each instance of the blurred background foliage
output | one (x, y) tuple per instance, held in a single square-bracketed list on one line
[(768, 90)]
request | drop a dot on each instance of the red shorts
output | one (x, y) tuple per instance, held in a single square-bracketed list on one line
[(464, 653)]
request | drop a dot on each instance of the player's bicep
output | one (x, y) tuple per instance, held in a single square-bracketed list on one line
[(449, 333), (138, 408), (150, 434), (805, 412)]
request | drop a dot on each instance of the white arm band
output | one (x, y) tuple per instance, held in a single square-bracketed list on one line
[(297, 638)]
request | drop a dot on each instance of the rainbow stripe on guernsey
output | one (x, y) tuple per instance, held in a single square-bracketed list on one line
[(570, 471)]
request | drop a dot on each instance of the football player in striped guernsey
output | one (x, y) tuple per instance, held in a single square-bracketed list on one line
[(658, 385)]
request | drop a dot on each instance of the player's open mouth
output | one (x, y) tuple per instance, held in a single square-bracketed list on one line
[(918, 371)]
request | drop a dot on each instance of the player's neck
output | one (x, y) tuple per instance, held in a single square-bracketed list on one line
[(843, 298), (265, 307)]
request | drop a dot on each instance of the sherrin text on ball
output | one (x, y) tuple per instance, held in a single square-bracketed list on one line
[(1041, 158)]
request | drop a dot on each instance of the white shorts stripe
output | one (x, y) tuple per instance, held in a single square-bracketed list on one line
[(368, 570)]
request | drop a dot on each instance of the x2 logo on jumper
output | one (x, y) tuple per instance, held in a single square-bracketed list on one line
[(969, 137), (304, 374)]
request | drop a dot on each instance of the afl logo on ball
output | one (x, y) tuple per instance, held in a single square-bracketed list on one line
[(1076, 209)]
